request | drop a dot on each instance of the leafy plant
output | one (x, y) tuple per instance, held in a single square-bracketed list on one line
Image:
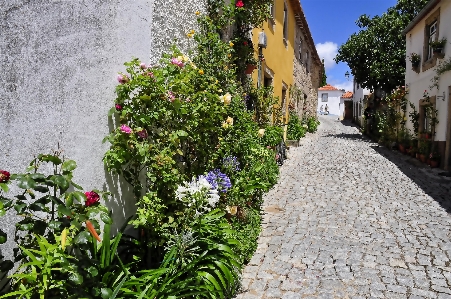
[(273, 136), (295, 130), (415, 58), (438, 43)]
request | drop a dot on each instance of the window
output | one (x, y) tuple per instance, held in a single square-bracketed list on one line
[(431, 33), (272, 11), (307, 61), (300, 49), (285, 23), (432, 37), (324, 97)]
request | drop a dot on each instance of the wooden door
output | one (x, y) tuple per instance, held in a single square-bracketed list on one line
[(348, 110)]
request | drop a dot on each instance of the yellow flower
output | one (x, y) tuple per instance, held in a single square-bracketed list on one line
[(193, 65), (189, 35), (229, 120), (197, 13), (231, 44), (226, 99), (192, 32), (232, 210), (225, 125), (230, 55), (261, 132), (220, 90), (185, 58), (216, 82), (201, 72), (179, 58)]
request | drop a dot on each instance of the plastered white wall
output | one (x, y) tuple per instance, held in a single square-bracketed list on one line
[(418, 83), (333, 102), (58, 62)]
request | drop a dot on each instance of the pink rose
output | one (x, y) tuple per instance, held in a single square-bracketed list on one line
[(171, 96), (91, 198), (122, 78), (177, 62), (150, 74), (239, 3), (126, 129), (143, 66), (118, 107)]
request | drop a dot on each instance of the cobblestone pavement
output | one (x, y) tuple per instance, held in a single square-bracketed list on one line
[(351, 219)]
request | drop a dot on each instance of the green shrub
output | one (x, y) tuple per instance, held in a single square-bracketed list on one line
[(295, 130), (312, 124), (273, 136)]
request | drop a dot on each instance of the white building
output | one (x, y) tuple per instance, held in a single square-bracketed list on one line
[(331, 96), (358, 100), (433, 23)]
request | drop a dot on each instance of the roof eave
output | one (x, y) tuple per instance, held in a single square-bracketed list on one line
[(431, 4)]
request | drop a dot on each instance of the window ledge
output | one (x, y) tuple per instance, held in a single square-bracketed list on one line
[(430, 63)]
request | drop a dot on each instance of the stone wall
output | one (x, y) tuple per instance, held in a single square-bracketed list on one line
[(59, 61), (306, 76)]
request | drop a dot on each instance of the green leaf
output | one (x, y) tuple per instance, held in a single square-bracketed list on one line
[(79, 196), (3, 237), (69, 165), (50, 158), (4, 187), (106, 293), (41, 189), (20, 208), (55, 225), (82, 238), (60, 181), (93, 271), (64, 210), (111, 111), (106, 218), (26, 182), (76, 278)]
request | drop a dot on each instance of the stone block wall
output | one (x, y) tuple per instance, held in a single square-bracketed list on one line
[(306, 76)]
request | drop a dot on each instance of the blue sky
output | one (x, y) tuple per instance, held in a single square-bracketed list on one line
[(331, 23)]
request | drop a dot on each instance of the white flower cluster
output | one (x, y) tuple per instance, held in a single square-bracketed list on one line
[(196, 193)]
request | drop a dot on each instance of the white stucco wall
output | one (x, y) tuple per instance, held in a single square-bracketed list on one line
[(418, 83), (334, 100), (59, 61)]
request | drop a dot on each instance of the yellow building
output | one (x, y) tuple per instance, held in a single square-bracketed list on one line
[(288, 37)]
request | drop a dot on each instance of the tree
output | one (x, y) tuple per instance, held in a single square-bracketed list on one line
[(324, 77), (376, 54)]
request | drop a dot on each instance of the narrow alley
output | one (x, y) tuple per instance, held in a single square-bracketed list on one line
[(352, 219)]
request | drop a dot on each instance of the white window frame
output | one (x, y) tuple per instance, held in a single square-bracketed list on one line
[(432, 30), (285, 23), (324, 97)]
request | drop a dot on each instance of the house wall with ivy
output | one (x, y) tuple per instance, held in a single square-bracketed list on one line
[(59, 62)]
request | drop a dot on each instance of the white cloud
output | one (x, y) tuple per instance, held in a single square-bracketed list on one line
[(327, 51), (346, 85)]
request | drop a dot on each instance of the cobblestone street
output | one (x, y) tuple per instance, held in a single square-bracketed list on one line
[(352, 219)]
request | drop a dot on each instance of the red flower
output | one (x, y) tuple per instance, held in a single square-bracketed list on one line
[(118, 107), (91, 198), (4, 176), (245, 43), (239, 3)]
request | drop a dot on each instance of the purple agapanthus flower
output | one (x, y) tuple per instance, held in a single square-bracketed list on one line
[(231, 163), (218, 180)]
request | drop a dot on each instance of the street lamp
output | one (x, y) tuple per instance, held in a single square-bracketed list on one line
[(347, 75)]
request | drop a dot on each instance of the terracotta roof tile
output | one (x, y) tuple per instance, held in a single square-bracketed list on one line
[(347, 95), (328, 87)]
